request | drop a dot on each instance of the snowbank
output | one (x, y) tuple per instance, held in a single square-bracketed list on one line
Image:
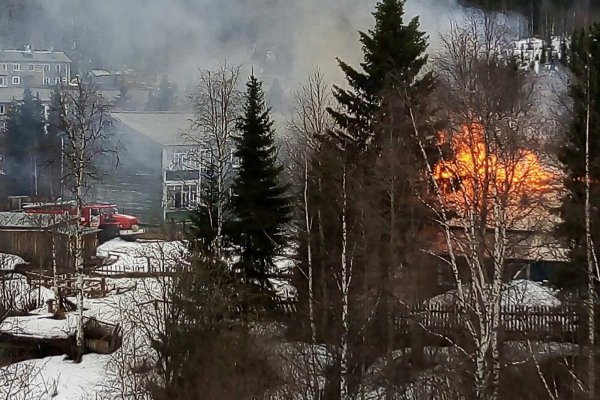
[(17, 294), (141, 255), (530, 294), (10, 261), (54, 378), (516, 293)]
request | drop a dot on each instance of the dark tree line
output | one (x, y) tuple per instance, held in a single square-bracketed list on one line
[(545, 17), (32, 147)]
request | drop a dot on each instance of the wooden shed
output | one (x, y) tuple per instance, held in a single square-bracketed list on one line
[(31, 236)]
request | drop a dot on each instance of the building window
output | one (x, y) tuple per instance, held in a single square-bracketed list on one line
[(64, 79), (3, 81), (58, 68), (39, 67), (2, 109), (4, 67), (182, 196), (46, 67), (32, 67), (181, 160), (16, 80), (56, 81), (16, 67), (46, 81)]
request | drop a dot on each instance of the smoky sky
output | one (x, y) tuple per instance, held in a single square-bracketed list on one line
[(281, 39)]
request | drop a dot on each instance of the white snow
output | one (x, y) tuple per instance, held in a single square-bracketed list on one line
[(519, 292), (17, 294), (55, 378), (530, 294), (141, 255), (10, 261), (129, 301)]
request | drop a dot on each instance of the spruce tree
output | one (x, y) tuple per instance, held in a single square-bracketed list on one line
[(261, 206), (394, 54), (207, 343), (372, 222), (51, 149), (572, 156), (24, 138), (204, 218)]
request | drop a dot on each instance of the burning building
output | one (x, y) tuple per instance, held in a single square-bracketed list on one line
[(496, 192)]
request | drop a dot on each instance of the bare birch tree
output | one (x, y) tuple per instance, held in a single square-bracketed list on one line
[(217, 105), (87, 148), (307, 124), (592, 261), (490, 189)]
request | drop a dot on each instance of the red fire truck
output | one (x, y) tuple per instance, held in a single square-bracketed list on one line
[(104, 216)]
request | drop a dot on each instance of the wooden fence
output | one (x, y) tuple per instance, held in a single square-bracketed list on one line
[(35, 246), (564, 323), (516, 322)]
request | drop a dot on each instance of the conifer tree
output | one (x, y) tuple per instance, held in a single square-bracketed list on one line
[(24, 137), (572, 155), (372, 219), (261, 206), (51, 148), (204, 218), (394, 54)]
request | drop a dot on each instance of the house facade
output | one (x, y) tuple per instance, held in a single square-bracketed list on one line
[(160, 172), (39, 70), (33, 68)]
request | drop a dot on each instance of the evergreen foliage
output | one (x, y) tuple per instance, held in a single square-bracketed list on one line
[(394, 54), (372, 151), (52, 147), (207, 343), (572, 155), (204, 218), (24, 139), (164, 98), (260, 204)]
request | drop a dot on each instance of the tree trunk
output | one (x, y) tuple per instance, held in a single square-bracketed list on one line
[(591, 318), (311, 312), (80, 340), (345, 286)]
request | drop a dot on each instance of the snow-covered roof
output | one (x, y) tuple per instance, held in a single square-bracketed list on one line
[(164, 128), (33, 56), (99, 72)]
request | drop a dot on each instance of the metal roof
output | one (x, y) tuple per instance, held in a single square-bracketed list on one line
[(164, 128), (35, 56)]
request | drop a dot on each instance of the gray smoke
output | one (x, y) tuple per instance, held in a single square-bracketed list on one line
[(281, 39)]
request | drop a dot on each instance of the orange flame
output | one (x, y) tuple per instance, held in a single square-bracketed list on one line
[(475, 170)]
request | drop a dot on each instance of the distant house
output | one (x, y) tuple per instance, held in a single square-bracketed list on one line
[(102, 78), (39, 70), (156, 179), (33, 68)]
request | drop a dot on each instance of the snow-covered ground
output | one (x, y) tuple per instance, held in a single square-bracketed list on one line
[(129, 302), (10, 261), (141, 255), (17, 294)]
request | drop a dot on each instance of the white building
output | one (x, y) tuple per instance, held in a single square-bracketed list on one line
[(160, 168)]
